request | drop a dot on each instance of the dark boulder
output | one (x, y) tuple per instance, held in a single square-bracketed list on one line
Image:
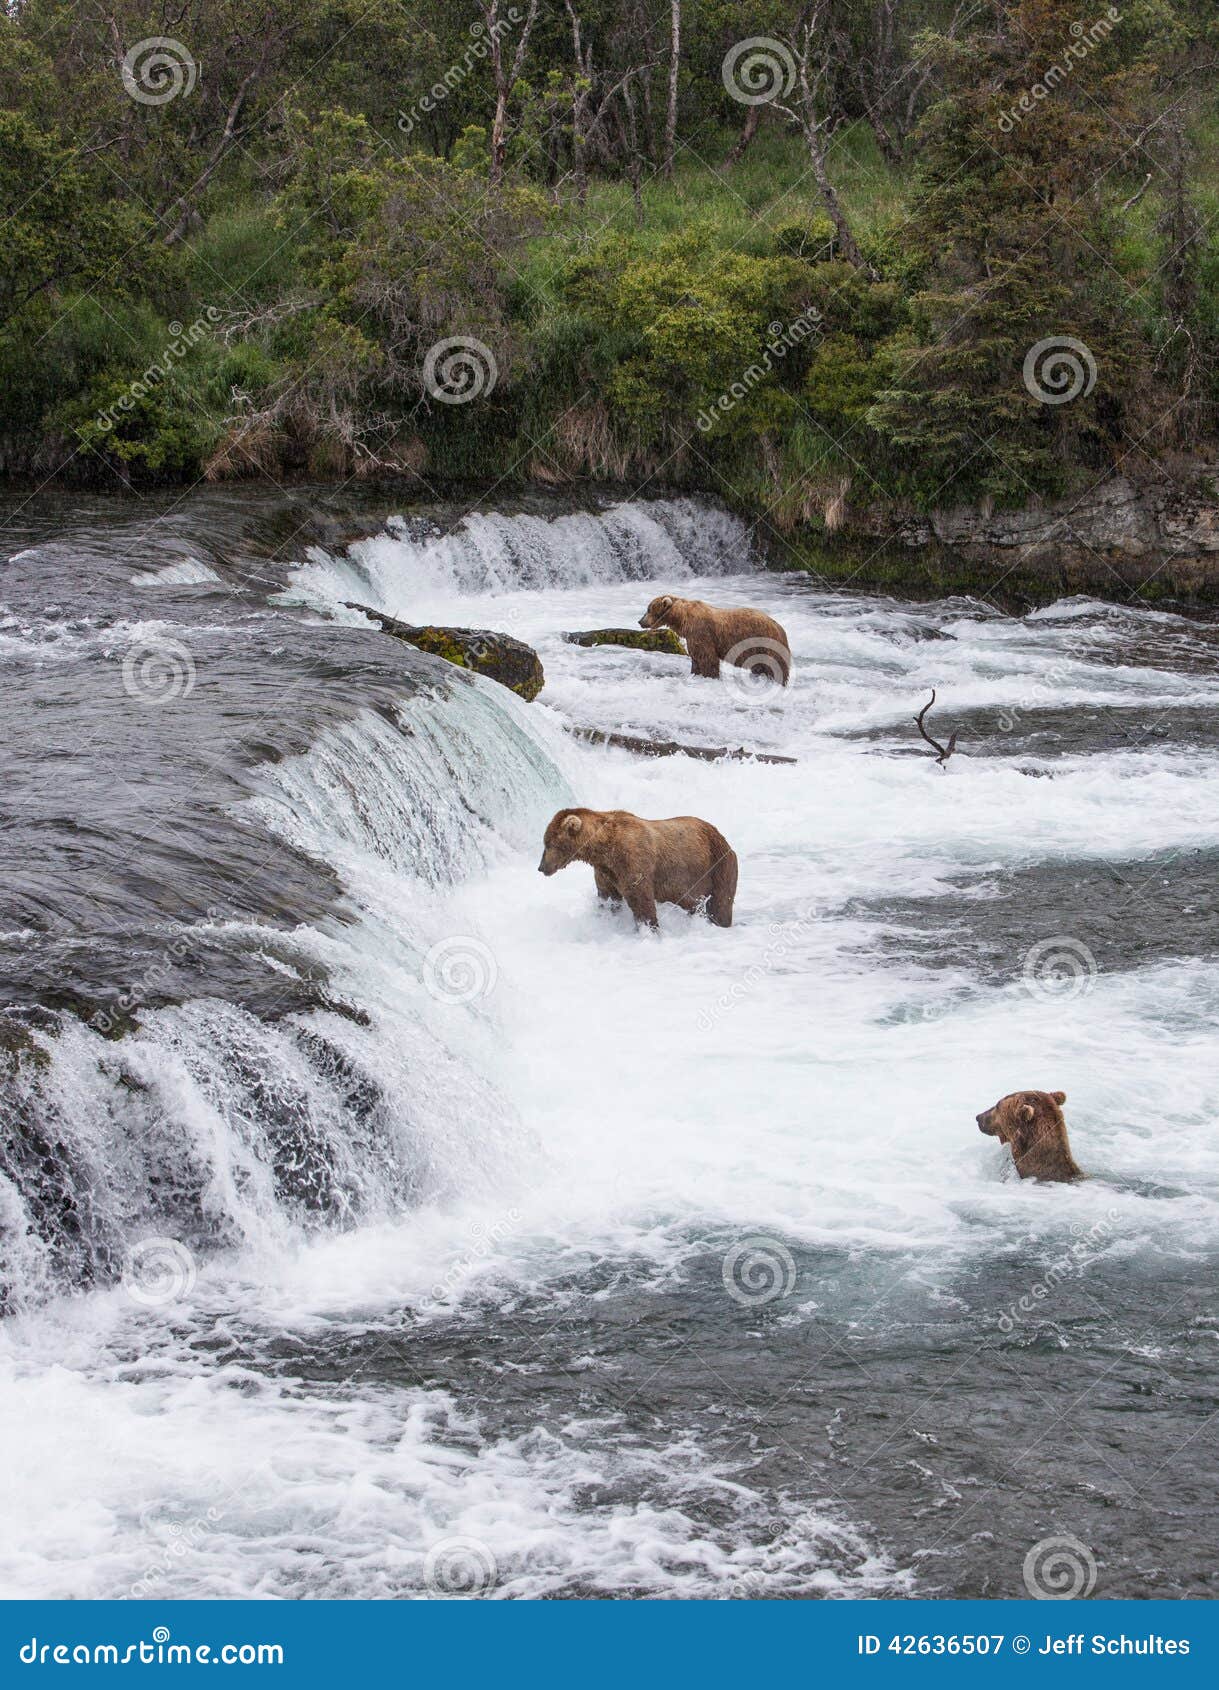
[(499, 657)]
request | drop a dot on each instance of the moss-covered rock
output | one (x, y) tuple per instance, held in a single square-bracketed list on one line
[(639, 639), (17, 1044), (499, 657)]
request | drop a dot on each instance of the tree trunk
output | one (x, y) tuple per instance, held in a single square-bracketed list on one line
[(753, 116), (499, 142), (674, 63), (833, 205)]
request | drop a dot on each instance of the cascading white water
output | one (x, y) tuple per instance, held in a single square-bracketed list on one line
[(219, 1125), (416, 563), (558, 1136)]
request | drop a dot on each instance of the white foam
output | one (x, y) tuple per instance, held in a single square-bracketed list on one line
[(630, 1099)]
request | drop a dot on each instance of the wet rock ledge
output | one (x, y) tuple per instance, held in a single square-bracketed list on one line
[(638, 639), (499, 657)]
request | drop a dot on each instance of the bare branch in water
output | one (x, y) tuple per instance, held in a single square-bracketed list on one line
[(943, 752)]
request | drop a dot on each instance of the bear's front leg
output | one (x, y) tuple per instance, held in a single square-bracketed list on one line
[(642, 905), (704, 659), (606, 888)]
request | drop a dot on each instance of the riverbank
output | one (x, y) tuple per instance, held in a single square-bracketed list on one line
[(1152, 541)]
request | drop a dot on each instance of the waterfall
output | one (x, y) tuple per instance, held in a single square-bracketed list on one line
[(217, 1123), (416, 561), (279, 1030)]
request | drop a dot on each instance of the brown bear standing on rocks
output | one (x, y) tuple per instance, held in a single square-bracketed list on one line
[(679, 861), (1031, 1124), (749, 638)]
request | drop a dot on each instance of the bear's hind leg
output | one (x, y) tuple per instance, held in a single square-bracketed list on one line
[(723, 889)]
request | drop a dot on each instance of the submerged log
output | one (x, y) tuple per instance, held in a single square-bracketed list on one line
[(645, 747), (638, 639), (499, 657)]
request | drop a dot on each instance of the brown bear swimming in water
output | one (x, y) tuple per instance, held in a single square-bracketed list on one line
[(1031, 1124), (748, 638), (678, 861)]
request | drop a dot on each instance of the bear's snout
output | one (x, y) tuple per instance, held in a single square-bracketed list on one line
[(984, 1122), (644, 623), (544, 867)]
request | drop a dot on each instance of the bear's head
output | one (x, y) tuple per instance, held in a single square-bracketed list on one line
[(1031, 1123), (659, 612), (567, 833)]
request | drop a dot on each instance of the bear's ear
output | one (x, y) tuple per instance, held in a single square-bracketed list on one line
[(572, 824), (1026, 1112), (665, 603), (1059, 1097)]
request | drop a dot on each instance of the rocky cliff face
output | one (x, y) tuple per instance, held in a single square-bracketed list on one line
[(1157, 539)]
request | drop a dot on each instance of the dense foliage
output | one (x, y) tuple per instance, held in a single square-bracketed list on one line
[(798, 254)]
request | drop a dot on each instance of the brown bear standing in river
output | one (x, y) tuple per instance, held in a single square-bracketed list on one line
[(679, 861), (1031, 1124), (749, 638)]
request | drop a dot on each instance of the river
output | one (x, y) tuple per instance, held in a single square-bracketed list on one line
[(384, 1219)]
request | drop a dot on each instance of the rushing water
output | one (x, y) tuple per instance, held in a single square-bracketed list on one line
[(383, 1219)]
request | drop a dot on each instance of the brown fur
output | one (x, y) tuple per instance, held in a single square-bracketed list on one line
[(748, 638), (1032, 1125), (679, 861)]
